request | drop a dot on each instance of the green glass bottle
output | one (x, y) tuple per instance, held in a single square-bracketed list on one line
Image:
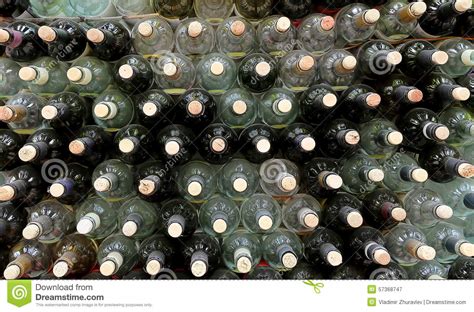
[(96, 217), (380, 138), (425, 208), (152, 37), (45, 76), (219, 216), (237, 108), (216, 73), (361, 173), (89, 75), (241, 251), (238, 179), (458, 194), (261, 214), (428, 270), (28, 259), (402, 173), (301, 213), (196, 181), (22, 112), (137, 218), (76, 255), (113, 110), (461, 56), (278, 108), (10, 84), (113, 180), (117, 255), (282, 250)]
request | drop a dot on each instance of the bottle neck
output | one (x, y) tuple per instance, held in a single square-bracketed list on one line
[(22, 265), (219, 222), (88, 223), (350, 217), (287, 256), (14, 190), (176, 225), (66, 263), (459, 167), (407, 95), (392, 211), (133, 222), (330, 254), (243, 259), (82, 146), (40, 226), (12, 113), (13, 38), (419, 250), (458, 246), (106, 182), (56, 111), (149, 185), (330, 180), (61, 188), (155, 262), (199, 263), (376, 253), (431, 209)]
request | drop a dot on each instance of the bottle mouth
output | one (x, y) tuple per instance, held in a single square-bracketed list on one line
[(61, 268), (145, 29), (146, 187), (153, 267), (240, 185), (237, 28)]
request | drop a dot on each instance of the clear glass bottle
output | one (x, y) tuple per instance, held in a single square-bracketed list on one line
[(137, 218), (425, 208), (89, 75), (355, 23), (96, 217), (216, 73), (113, 110), (75, 255), (152, 37), (402, 173), (28, 259), (279, 177), (277, 35), (174, 73), (457, 194), (179, 217), (238, 179), (237, 108), (428, 270), (213, 11), (336, 68), (301, 213), (134, 7), (157, 252), (22, 112), (236, 37), (196, 181), (278, 108), (45, 76), (10, 84), (282, 250), (194, 37), (317, 34), (361, 173), (219, 216), (461, 56), (113, 180), (297, 70), (380, 138), (241, 251), (261, 214), (460, 123), (117, 255)]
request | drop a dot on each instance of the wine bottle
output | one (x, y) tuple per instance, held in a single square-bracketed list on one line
[(219, 216), (10, 84), (321, 177), (282, 250), (367, 246), (294, 9), (133, 74), (21, 41), (301, 213), (377, 59), (28, 259), (216, 73), (137, 218), (174, 73), (113, 110), (391, 271), (443, 164), (428, 270), (420, 57), (359, 103), (176, 144), (336, 68), (254, 9), (440, 17), (109, 40), (279, 177), (264, 273), (153, 181), (399, 19), (45, 76), (380, 138), (174, 9), (425, 208), (402, 173), (449, 242), (260, 214), (117, 255), (241, 251), (342, 212), (316, 103), (213, 11), (383, 209), (407, 245), (89, 75), (23, 186), (152, 37), (43, 144), (194, 37), (237, 108), (463, 23), (113, 180), (316, 33), (441, 91), (461, 57), (201, 253), (323, 248), (73, 187), (278, 108), (10, 143), (217, 143), (196, 108), (238, 179), (420, 128), (157, 252), (461, 268), (468, 82), (298, 142), (66, 111), (154, 109), (258, 143), (134, 144), (277, 35), (9, 7), (355, 23), (303, 271), (179, 217), (458, 194), (90, 145), (196, 181), (338, 137), (460, 124), (66, 40), (257, 72), (360, 173), (96, 217), (76, 255), (22, 112), (48, 221), (12, 222), (140, 7), (236, 37), (297, 70)]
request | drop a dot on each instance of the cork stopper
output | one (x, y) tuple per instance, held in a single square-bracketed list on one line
[(47, 33), (170, 69), (308, 144), (462, 5), (145, 29), (129, 228), (199, 268), (352, 137), (125, 71), (150, 109), (415, 95), (381, 256), (442, 133), (219, 226), (334, 258), (262, 69), (395, 138), (102, 184), (306, 63), (105, 110), (444, 212), (283, 24), (146, 187), (194, 188), (239, 185), (466, 170), (32, 231), (354, 219), (329, 100), (284, 106), (394, 58), (85, 226), (439, 58), (467, 57), (288, 183), (95, 35), (375, 175), (107, 268), (194, 29), (49, 112), (27, 153), (57, 189), (417, 8), (218, 145), (263, 145), (289, 260), (7, 193), (373, 100), (239, 107), (333, 181), (195, 108), (419, 175), (237, 28), (60, 269), (172, 147), (461, 94), (12, 271), (126, 145), (311, 220), (175, 230), (466, 249), (6, 114), (27, 73), (398, 214), (425, 252), (217, 68), (4, 36), (79, 75), (370, 17), (244, 265), (77, 147), (327, 23), (153, 267), (265, 223)]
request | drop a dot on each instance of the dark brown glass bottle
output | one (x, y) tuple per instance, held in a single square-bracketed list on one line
[(21, 41), (383, 209), (258, 143), (134, 144), (298, 142), (91, 145), (196, 109), (317, 103), (321, 177)]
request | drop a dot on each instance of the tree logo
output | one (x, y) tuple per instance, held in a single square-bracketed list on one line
[(19, 292)]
